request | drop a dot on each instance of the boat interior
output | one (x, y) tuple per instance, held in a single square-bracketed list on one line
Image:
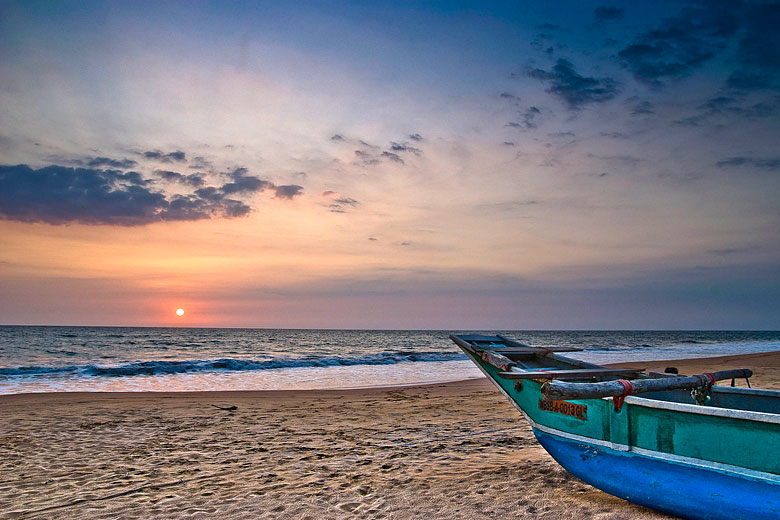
[(546, 363)]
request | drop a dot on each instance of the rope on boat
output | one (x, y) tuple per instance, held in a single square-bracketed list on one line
[(628, 389)]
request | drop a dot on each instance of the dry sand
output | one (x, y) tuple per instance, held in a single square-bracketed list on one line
[(455, 450)]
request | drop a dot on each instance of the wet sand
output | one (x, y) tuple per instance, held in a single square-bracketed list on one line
[(453, 450)]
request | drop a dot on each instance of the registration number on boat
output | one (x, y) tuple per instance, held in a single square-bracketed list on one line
[(580, 411)]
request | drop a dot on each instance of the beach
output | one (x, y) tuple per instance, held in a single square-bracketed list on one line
[(446, 450)]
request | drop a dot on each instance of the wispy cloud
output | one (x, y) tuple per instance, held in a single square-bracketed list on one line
[(97, 162), (572, 88), (767, 163), (177, 156), (759, 50), (680, 44)]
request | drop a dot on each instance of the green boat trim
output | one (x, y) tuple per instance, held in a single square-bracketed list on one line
[(747, 415), (735, 438)]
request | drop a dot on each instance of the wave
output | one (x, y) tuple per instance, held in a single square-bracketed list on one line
[(151, 368)]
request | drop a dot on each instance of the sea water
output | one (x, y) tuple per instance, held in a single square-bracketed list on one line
[(97, 359)]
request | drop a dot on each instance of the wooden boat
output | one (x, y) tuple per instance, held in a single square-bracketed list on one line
[(681, 445)]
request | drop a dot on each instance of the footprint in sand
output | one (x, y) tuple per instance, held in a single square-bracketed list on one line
[(349, 507)]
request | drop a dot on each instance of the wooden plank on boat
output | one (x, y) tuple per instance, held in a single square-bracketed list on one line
[(518, 345), (579, 373), (534, 350), (563, 390), (497, 360)]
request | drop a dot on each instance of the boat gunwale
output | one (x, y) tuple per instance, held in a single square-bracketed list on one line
[(715, 411), (764, 417)]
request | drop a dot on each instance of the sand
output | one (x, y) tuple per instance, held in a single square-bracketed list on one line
[(454, 450)]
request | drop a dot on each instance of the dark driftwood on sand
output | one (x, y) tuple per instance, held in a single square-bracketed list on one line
[(563, 390), (226, 408)]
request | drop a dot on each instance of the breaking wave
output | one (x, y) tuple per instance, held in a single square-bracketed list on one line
[(151, 368)]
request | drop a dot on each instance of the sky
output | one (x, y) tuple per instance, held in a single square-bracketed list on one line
[(405, 165)]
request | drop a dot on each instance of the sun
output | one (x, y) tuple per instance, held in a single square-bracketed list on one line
[(179, 312)]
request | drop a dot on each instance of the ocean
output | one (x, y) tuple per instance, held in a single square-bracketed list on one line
[(113, 359)]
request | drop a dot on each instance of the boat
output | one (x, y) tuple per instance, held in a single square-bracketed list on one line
[(678, 444)]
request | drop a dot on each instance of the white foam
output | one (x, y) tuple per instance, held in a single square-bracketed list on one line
[(273, 379)]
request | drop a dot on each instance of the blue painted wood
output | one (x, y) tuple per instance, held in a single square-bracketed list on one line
[(675, 488)]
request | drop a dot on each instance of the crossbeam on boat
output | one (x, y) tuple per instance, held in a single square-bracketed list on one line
[(581, 373), (533, 350), (516, 344)]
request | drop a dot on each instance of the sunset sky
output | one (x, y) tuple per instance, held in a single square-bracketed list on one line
[(408, 165)]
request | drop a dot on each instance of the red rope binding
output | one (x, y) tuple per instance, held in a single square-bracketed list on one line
[(711, 378), (628, 389)]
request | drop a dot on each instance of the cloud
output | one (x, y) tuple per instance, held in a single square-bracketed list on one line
[(237, 173), (718, 103), (643, 108), (726, 104), (337, 137), (201, 163), (574, 89), (348, 201), (614, 135), (404, 147), (769, 163), (210, 193), (759, 50), (192, 207), (729, 106), (288, 191), (129, 177), (177, 156), (608, 13), (393, 157), (415, 137), (627, 160), (194, 179), (62, 195), (680, 44), (96, 162), (246, 184), (528, 119), (728, 251), (339, 202), (366, 158)]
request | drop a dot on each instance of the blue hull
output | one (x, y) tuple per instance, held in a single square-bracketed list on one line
[(672, 487)]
